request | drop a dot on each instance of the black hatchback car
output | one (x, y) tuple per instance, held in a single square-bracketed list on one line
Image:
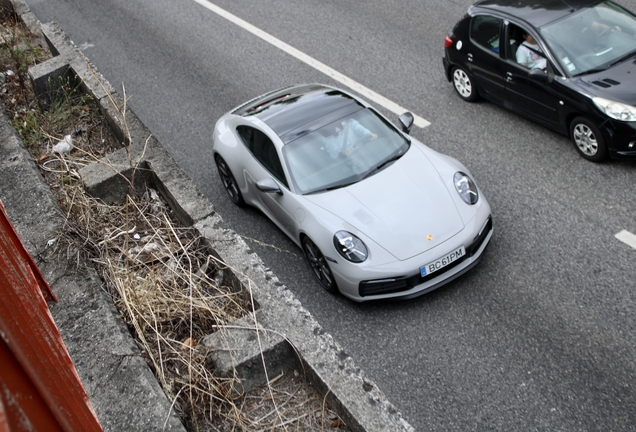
[(567, 64)]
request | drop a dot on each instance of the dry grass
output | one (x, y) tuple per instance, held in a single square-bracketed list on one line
[(165, 282)]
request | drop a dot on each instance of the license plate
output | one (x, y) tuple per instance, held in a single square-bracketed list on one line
[(442, 262)]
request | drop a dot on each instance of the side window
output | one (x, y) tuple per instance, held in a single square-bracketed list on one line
[(515, 38), (263, 150), (247, 135), (523, 48), (485, 31)]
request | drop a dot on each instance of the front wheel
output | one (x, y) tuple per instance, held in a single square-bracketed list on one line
[(463, 85), (588, 140), (319, 265)]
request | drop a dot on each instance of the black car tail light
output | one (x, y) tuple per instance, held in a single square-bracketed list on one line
[(448, 42)]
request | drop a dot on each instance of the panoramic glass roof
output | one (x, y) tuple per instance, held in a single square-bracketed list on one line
[(295, 111)]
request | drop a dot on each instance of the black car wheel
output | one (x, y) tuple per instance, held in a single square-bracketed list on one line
[(464, 85), (229, 182), (588, 140), (319, 265)]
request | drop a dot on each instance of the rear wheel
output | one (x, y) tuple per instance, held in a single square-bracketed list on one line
[(229, 182), (588, 140), (319, 265), (463, 85)]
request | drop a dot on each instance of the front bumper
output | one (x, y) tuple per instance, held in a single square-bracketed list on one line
[(434, 280), (621, 139), (402, 280)]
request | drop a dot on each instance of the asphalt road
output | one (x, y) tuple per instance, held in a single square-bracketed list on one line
[(540, 336)]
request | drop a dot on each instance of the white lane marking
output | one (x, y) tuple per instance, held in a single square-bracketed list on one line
[(627, 238), (343, 79)]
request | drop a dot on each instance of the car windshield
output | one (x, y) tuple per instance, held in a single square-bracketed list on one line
[(343, 152), (592, 39)]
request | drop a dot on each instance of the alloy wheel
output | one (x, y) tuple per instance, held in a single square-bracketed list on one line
[(229, 182), (464, 85), (585, 139), (319, 265)]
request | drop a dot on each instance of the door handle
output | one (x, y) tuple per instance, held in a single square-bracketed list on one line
[(508, 76), (470, 57)]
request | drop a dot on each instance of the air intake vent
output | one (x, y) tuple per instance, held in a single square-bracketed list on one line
[(601, 84), (606, 82)]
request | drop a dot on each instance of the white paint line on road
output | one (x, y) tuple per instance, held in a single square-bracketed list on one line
[(627, 238), (342, 79)]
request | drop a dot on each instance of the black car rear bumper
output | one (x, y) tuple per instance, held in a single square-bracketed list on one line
[(447, 67)]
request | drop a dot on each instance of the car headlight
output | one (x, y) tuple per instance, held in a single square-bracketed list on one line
[(350, 247), (615, 110), (466, 188)]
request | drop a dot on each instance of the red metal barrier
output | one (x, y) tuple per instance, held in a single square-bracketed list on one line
[(39, 386)]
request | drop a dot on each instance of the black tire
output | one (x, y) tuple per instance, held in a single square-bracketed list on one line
[(229, 182), (463, 84), (588, 140), (319, 265)]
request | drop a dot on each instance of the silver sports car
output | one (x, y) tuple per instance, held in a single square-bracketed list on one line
[(377, 213)]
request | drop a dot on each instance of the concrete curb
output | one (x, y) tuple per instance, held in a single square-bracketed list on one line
[(123, 390), (291, 335)]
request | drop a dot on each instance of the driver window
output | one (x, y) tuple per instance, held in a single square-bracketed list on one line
[(524, 49), (263, 150), (485, 30)]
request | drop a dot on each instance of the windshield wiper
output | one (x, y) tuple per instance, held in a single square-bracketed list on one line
[(370, 173), (625, 57), (604, 68), (330, 188), (592, 71), (383, 164), (388, 161)]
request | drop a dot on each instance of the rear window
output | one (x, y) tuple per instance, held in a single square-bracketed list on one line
[(485, 31)]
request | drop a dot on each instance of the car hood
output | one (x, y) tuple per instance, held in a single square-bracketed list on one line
[(406, 208), (616, 83)]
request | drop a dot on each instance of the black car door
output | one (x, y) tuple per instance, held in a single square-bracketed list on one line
[(535, 97), (483, 58)]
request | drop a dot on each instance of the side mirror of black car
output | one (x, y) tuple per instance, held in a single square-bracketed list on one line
[(543, 76), (539, 75), (406, 120)]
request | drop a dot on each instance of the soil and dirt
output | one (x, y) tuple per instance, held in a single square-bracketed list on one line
[(166, 285)]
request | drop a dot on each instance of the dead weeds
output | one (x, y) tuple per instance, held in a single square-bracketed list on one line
[(168, 287)]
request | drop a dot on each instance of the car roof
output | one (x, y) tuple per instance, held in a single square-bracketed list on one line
[(534, 12), (295, 111)]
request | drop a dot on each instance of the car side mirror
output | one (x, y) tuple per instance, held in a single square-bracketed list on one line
[(268, 186), (406, 121), (542, 76), (538, 75)]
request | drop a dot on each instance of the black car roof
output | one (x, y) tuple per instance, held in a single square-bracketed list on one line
[(535, 12), (295, 111)]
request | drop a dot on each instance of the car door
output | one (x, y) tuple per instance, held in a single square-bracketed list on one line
[(266, 166), (534, 97), (483, 56)]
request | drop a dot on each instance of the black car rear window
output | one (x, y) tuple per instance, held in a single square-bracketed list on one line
[(485, 31)]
